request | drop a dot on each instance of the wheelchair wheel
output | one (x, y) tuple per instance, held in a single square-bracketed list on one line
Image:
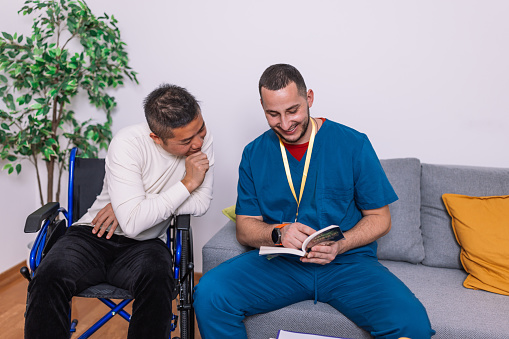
[(186, 288)]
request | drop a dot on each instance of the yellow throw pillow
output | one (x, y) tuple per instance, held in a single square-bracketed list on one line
[(481, 227), (230, 213)]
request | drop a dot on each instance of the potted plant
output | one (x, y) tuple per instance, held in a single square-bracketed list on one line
[(70, 51)]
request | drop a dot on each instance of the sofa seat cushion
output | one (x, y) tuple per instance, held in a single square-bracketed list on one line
[(454, 311), (306, 317)]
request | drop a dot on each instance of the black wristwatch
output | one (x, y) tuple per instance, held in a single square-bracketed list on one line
[(276, 234)]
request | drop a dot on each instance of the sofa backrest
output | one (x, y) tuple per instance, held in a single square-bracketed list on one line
[(404, 241), (440, 246), (421, 227)]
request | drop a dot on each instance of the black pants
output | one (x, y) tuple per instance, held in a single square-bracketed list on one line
[(80, 259)]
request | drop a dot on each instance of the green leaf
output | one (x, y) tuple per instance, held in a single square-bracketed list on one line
[(36, 140), (48, 153), (34, 73), (50, 142), (34, 84), (7, 36), (51, 70), (20, 100), (9, 101)]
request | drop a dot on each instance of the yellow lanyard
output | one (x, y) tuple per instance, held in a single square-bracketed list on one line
[(306, 165)]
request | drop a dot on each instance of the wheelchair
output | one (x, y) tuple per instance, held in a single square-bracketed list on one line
[(85, 184)]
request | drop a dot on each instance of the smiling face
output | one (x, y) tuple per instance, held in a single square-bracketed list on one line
[(186, 140), (287, 113)]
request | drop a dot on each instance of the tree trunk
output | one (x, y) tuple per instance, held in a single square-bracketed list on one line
[(38, 175), (59, 180), (50, 166)]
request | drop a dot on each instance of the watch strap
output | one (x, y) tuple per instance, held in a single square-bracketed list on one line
[(276, 233)]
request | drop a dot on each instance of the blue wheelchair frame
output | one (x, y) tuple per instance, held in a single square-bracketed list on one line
[(179, 242)]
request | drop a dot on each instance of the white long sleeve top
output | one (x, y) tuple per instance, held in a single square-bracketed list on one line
[(143, 184)]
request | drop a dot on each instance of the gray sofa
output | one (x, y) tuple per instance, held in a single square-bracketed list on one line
[(420, 249)]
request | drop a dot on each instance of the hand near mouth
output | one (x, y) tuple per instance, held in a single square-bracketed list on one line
[(197, 165)]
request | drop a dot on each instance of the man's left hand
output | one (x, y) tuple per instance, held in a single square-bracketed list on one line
[(324, 253)]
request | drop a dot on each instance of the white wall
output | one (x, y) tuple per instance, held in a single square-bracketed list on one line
[(426, 79)]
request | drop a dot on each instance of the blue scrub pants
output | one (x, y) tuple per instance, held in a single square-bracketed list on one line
[(363, 290)]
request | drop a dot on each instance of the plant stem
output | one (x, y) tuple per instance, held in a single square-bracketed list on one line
[(50, 166), (59, 181), (54, 117), (65, 44), (36, 165)]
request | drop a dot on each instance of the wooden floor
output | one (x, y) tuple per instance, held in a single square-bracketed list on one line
[(13, 289)]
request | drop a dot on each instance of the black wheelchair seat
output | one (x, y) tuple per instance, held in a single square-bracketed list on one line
[(104, 290)]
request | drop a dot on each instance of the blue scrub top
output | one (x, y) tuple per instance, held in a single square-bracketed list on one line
[(345, 177)]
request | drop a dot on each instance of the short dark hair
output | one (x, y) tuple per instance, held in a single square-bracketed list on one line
[(168, 107), (279, 76)]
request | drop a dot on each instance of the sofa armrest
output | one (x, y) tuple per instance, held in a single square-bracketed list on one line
[(221, 247)]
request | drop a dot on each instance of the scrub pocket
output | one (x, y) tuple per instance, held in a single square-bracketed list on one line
[(336, 207)]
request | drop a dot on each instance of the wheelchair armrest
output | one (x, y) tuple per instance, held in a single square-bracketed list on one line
[(34, 220), (183, 222)]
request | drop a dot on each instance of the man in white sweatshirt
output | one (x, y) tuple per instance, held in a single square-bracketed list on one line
[(153, 170)]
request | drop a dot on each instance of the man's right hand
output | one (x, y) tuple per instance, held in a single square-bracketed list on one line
[(293, 235), (197, 166), (104, 219)]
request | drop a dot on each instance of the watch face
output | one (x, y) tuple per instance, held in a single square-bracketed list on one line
[(275, 235)]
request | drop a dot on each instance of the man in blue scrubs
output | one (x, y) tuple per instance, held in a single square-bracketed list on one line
[(300, 176)]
